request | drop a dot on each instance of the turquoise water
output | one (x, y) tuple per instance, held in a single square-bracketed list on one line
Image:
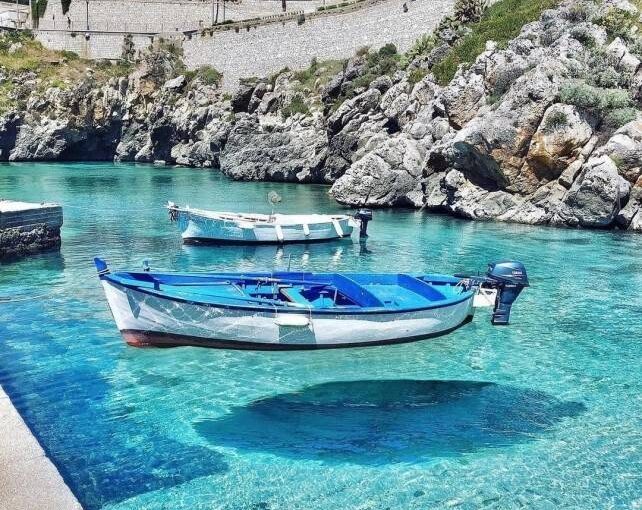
[(543, 414)]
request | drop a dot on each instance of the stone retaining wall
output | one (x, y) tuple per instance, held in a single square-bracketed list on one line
[(160, 16), (98, 46), (264, 49), (28, 228)]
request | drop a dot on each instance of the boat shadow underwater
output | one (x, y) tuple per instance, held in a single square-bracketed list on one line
[(377, 422)]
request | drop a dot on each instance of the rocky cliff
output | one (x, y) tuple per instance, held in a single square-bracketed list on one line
[(544, 128)]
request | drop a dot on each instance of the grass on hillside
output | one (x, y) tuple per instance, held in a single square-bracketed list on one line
[(318, 73), (58, 67), (501, 22), (54, 68), (207, 75)]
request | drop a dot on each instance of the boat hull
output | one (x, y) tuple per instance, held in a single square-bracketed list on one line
[(198, 228), (145, 319)]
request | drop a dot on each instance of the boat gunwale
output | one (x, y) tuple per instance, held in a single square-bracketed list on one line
[(277, 308), (263, 220)]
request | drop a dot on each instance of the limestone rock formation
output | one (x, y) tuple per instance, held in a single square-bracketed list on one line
[(270, 148), (544, 130), (388, 175), (500, 142)]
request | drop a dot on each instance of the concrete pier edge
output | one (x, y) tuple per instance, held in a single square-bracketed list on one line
[(27, 228), (28, 478)]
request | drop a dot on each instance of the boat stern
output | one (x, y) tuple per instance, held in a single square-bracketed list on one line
[(499, 288)]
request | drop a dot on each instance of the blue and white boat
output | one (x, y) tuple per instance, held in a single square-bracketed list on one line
[(290, 310), (200, 225)]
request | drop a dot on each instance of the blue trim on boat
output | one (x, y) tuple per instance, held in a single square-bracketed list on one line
[(348, 294), (273, 306)]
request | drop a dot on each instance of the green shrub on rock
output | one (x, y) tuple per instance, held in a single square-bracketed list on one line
[(557, 120), (469, 11), (635, 46), (421, 46), (620, 116), (387, 50), (602, 70), (617, 22), (580, 94), (583, 95), (297, 105), (614, 106), (583, 35), (607, 78), (611, 99), (318, 73), (416, 75), (579, 12), (209, 75)]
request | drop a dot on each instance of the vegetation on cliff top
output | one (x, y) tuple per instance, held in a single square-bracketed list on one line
[(25, 66), (605, 92), (501, 22), (318, 73), (23, 60), (465, 32)]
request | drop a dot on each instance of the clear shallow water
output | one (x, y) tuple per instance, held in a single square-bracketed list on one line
[(543, 414)]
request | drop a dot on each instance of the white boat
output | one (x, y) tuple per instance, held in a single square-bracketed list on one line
[(199, 225), (293, 310)]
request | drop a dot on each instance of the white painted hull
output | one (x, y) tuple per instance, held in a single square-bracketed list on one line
[(145, 319), (284, 229)]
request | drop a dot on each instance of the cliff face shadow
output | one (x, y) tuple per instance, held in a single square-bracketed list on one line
[(388, 421)]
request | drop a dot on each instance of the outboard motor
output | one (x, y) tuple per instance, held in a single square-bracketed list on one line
[(509, 278), (364, 216)]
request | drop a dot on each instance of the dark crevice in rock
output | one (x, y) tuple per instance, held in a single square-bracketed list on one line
[(392, 126)]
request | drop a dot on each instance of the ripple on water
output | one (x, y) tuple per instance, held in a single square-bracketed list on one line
[(141, 429), (389, 421)]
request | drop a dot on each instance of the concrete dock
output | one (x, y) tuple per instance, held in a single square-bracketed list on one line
[(28, 228), (28, 479)]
